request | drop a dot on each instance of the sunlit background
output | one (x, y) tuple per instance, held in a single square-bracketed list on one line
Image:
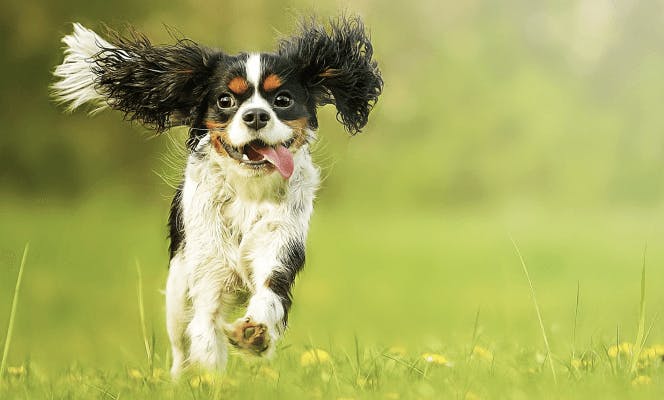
[(513, 119)]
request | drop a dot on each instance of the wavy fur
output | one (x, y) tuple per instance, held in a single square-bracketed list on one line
[(161, 86), (338, 66)]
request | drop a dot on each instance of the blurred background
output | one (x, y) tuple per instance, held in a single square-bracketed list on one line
[(537, 121)]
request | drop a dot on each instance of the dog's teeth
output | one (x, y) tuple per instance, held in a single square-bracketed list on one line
[(244, 157)]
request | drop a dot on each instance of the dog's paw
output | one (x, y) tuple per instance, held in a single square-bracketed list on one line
[(249, 336)]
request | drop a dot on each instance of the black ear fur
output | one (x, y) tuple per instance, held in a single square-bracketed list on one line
[(337, 67), (161, 86)]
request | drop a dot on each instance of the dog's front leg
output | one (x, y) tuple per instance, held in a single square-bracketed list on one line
[(207, 346), (274, 260), (177, 313)]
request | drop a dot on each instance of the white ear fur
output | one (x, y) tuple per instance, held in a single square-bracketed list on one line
[(75, 86)]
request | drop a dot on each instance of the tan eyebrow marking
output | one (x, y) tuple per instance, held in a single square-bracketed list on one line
[(271, 82), (238, 85)]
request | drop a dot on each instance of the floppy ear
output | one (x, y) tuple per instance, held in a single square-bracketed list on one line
[(337, 67), (161, 86)]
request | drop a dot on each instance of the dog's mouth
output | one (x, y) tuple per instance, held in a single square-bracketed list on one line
[(258, 154)]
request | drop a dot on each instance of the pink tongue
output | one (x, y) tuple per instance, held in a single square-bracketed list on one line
[(279, 156)]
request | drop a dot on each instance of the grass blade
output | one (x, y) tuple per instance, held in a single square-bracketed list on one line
[(576, 317), (141, 310), (357, 356), (12, 313), (537, 309), (638, 343), (411, 367), (473, 340)]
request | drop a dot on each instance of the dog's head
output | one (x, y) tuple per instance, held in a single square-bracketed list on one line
[(255, 110)]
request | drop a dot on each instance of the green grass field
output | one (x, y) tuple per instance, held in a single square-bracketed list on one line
[(394, 304), (501, 121)]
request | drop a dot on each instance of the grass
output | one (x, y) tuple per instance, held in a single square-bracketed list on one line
[(641, 332), (12, 313), (149, 355), (391, 306), (549, 356), (378, 373)]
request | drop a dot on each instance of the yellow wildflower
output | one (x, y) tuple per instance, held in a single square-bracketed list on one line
[(313, 357), (434, 358), (482, 353), (392, 396), (16, 371), (135, 374), (205, 379), (365, 382), (652, 353), (659, 349), (624, 348), (269, 373), (648, 354), (361, 382), (583, 363), (641, 380), (471, 396)]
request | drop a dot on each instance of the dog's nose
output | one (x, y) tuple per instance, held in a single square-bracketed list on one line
[(256, 118)]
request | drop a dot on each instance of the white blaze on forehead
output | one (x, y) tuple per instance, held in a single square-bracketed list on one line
[(254, 69), (275, 132)]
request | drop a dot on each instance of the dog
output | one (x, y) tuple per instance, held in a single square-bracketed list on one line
[(239, 218)]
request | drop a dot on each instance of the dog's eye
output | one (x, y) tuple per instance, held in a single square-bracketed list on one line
[(283, 100), (225, 101)]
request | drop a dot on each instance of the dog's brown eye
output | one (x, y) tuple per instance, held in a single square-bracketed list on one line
[(225, 101), (283, 100)]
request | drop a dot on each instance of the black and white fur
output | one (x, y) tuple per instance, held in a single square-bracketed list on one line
[(239, 219)]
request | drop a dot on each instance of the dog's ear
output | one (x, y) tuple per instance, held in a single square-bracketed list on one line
[(160, 86), (337, 67)]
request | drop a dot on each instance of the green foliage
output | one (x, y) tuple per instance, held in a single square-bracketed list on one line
[(483, 103)]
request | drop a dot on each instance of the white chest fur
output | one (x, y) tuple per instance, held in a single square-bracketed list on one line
[(238, 232), (225, 215)]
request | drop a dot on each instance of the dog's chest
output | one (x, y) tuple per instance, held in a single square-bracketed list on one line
[(218, 224)]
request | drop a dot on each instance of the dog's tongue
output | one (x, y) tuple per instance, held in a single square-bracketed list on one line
[(279, 156)]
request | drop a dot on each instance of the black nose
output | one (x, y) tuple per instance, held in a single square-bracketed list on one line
[(256, 118)]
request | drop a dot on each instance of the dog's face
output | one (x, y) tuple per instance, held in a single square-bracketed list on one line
[(254, 110), (259, 113)]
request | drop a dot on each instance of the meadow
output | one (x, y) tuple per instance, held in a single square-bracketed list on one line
[(485, 236), (396, 305)]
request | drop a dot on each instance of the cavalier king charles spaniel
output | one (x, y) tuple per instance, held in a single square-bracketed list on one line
[(239, 218)]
